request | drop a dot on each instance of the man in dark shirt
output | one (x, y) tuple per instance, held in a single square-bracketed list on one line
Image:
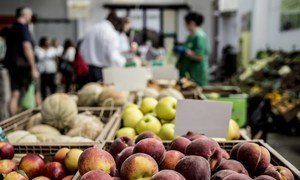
[(19, 58)]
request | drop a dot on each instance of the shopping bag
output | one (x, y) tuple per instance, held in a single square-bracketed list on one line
[(28, 100), (80, 65)]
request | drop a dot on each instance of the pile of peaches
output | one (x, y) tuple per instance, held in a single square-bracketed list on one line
[(191, 157)]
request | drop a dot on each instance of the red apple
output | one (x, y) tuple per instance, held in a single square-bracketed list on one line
[(139, 166), (96, 174), (152, 147), (6, 150), (180, 144), (7, 166), (119, 144), (123, 155), (32, 165), (171, 159), (95, 158), (61, 154), (70, 177), (54, 171)]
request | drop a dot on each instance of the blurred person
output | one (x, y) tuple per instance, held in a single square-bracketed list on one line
[(20, 59), (56, 44), (47, 66), (194, 58), (124, 40), (66, 63), (100, 47)]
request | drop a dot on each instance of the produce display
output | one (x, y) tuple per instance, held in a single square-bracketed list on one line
[(191, 157), (157, 117), (59, 121), (34, 166), (94, 94)]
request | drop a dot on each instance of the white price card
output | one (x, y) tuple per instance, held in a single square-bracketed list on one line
[(206, 117), (165, 73), (127, 79)]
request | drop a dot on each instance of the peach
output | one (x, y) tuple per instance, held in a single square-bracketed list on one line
[(41, 178), (7, 166), (96, 174), (171, 159), (54, 171), (61, 154), (264, 177), (192, 136), (207, 148), (255, 158), (71, 159), (70, 177), (167, 174), (16, 175), (193, 168), (279, 173), (152, 147), (123, 155), (138, 166), (180, 144), (145, 135), (6, 150), (232, 165), (95, 158), (229, 174), (119, 144), (32, 165), (225, 154)]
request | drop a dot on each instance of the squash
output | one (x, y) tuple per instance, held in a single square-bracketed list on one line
[(150, 92), (47, 137), (34, 120), (59, 111), (89, 94), (74, 97), (78, 139), (118, 98), (21, 136), (86, 125), (44, 129), (170, 92)]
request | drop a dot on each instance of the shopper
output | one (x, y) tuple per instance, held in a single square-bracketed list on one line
[(100, 47), (55, 44), (124, 40), (47, 66), (66, 63), (194, 61), (20, 59)]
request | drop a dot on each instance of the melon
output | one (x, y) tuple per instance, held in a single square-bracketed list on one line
[(21, 136), (150, 92), (34, 120), (170, 92), (44, 129), (47, 137), (59, 111), (74, 97), (78, 139), (86, 125), (110, 94), (89, 94)]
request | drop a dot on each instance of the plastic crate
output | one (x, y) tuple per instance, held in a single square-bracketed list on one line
[(106, 114), (276, 158)]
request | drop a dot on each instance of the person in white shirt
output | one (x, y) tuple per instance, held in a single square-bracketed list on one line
[(56, 44), (66, 61), (100, 47), (47, 66), (124, 40)]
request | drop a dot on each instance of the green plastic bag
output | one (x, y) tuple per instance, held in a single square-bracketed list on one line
[(3, 136), (28, 101)]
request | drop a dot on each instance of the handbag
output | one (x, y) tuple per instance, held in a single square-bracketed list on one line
[(28, 100), (65, 66), (80, 65)]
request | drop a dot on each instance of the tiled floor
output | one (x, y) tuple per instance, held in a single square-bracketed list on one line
[(287, 146)]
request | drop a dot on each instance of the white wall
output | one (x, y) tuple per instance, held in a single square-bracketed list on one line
[(44, 9)]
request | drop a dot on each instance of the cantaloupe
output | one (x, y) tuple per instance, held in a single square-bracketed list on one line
[(34, 120), (21, 136), (59, 111), (89, 94), (171, 92), (44, 129), (110, 94)]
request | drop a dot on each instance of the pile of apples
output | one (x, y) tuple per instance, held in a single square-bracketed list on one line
[(152, 115), (189, 157), (33, 166)]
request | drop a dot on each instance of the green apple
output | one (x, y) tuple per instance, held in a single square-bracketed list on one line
[(163, 121), (131, 116), (126, 131), (166, 108), (131, 105), (148, 123), (167, 131), (148, 105)]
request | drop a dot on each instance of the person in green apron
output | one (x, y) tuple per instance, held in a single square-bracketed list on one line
[(193, 62)]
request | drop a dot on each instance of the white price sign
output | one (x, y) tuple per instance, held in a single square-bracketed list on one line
[(165, 73)]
